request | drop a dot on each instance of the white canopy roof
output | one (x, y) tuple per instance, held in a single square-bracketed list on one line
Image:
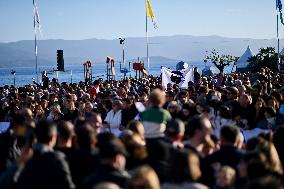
[(282, 52), (243, 61)]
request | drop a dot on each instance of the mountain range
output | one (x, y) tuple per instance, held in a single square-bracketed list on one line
[(162, 49)]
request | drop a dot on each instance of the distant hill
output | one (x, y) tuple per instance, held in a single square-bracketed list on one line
[(162, 49)]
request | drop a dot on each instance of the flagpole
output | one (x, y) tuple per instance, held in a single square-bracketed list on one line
[(36, 57), (278, 40), (147, 41), (35, 40)]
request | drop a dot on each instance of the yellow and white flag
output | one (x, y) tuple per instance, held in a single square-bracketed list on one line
[(150, 13)]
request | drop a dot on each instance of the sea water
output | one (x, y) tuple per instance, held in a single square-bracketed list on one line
[(25, 75)]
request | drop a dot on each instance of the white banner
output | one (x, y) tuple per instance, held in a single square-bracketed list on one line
[(181, 77)]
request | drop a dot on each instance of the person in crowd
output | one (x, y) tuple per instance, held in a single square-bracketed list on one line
[(138, 129), (263, 144), (154, 119), (187, 111), (225, 178), (277, 141), (270, 119), (65, 135), (170, 96), (39, 113), (173, 108), (85, 158), (47, 168), (128, 111), (273, 103), (113, 118), (232, 96), (229, 153), (182, 98), (202, 93), (259, 106), (197, 132), (81, 108), (175, 132), (55, 113), (95, 120), (265, 182), (112, 166), (185, 171), (107, 185), (89, 108), (95, 89), (144, 177), (136, 149), (224, 118), (71, 113), (45, 80), (9, 147)]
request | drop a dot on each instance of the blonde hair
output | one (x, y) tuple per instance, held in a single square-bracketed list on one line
[(157, 98), (147, 175), (274, 159), (107, 185)]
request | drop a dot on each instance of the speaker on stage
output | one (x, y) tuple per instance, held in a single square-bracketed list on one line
[(60, 60)]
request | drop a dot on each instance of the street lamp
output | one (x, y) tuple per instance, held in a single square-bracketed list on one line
[(122, 42), (13, 72)]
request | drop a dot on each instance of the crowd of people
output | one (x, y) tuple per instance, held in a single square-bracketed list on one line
[(138, 134)]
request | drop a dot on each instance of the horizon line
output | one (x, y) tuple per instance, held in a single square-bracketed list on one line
[(132, 37)]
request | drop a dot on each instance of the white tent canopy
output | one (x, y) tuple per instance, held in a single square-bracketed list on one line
[(243, 61), (282, 52)]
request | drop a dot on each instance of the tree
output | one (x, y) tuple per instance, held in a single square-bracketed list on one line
[(267, 57), (220, 61)]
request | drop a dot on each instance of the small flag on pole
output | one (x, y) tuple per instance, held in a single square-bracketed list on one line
[(36, 18), (279, 9), (150, 13)]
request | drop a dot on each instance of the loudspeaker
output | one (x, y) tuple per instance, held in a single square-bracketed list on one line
[(60, 60)]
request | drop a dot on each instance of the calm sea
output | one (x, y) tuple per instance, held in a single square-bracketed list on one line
[(25, 75)]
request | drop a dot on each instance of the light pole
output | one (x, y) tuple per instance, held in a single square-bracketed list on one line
[(122, 42), (13, 72)]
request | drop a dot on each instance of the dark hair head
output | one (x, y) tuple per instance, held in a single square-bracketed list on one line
[(181, 165), (96, 82), (45, 130), (203, 89), (189, 107), (175, 127), (270, 111), (127, 100), (133, 126), (103, 138), (65, 130), (86, 135), (230, 133), (278, 137), (17, 119), (170, 93), (194, 124), (265, 182), (112, 148), (182, 93), (225, 112)]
